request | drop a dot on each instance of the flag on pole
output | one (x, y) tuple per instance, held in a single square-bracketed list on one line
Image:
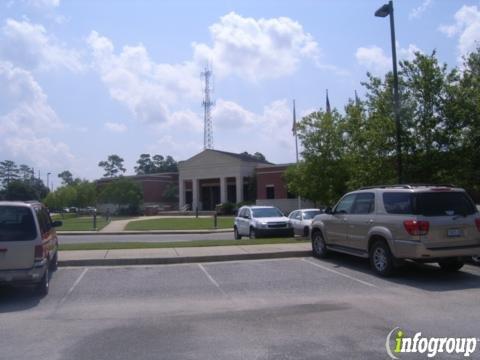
[(328, 105), (294, 126)]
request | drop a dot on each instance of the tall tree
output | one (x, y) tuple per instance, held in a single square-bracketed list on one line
[(67, 177), (25, 173), (145, 165), (8, 172), (113, 166)]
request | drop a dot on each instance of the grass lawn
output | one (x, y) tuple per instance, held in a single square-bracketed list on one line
[(197, 243), (223, 222), (80, 223)]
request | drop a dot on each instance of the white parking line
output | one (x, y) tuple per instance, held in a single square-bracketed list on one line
[(339, 273), (73, 287), (212, 280)]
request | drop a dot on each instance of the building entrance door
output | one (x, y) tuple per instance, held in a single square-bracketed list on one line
[(210, 197)]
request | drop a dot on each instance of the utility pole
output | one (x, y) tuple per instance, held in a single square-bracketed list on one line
[(207, 104)]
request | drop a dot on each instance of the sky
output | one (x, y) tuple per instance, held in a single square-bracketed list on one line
[(83, 79)]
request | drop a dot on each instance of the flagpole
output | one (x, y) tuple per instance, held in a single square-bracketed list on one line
[(299, 200)]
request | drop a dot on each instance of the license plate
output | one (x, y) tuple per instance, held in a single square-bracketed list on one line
[(454, 232)]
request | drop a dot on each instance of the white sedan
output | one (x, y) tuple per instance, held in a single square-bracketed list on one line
[(301, 220)]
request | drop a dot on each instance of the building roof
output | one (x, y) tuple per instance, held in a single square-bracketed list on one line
[(243, 157)]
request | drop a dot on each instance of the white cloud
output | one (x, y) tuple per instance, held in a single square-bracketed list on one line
[(230, 115), (44, 3), (115, 127), (418, 11), (28, 121), (147, 88), (30, 46), (467, 28), (256, 49), (376, 61)]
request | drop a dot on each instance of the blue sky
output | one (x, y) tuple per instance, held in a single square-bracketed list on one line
[(80, 80)]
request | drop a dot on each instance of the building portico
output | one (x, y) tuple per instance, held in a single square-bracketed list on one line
[(213, 177)]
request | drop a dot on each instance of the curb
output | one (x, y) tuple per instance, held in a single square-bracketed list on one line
[(147, 232), (185, 260)]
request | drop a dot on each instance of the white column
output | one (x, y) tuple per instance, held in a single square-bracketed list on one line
[(195, 194), (223, 190), (181, 193), (239, 186)]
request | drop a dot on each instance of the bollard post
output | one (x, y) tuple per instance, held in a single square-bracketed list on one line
[(215, 220), (196, 212), (94, 221)]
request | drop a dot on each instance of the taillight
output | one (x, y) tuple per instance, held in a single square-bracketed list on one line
[(477, 222), (415, 227), (38, 252)]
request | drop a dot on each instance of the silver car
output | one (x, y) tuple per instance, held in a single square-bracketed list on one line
[(255, 221), (389, 224), (301, 220), (28, 244)]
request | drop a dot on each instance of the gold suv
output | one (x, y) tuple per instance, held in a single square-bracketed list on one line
[(388, 224)]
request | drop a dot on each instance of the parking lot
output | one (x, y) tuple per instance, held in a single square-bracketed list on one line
[(298, 308)]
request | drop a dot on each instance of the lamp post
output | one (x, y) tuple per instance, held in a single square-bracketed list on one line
[(384, 11), (48, 181)]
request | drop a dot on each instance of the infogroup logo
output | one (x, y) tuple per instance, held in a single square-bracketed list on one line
[(399, 343)]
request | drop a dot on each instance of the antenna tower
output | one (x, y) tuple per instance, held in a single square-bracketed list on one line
[(207, 104)]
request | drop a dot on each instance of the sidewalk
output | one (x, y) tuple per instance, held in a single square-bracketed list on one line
[(116, 226), (182, 255)]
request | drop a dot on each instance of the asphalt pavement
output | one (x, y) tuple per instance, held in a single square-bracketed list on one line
[(298, 308)]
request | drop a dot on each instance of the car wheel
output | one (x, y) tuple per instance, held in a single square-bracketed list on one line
[(451, 265), (319, 247), (54, 262), (236, 235), (476, 259), (253, 233), (306, 231), (381, 259), (44, 284)]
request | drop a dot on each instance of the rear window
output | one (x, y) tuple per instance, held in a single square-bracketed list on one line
[(398, 202), (429, 203), (16, 224), (444, 204), (307, 215)]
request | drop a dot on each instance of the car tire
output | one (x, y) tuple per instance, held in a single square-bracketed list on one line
[(54, 262), (253, 233), (319, 248), (451, 265), (382, 261), (236, 235), (43, 286)]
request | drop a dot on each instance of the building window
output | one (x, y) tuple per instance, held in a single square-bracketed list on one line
[(270, 191)]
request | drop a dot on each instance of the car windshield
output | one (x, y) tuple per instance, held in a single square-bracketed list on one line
[(266, 212), (307, 215), (16, 224)]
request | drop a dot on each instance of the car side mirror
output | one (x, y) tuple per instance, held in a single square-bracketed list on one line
[(329, 211), (57, 223)]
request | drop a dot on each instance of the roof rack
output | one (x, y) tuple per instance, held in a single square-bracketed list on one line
[(406, 186)]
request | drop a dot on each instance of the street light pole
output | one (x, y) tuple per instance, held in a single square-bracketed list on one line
[(384, 11), (48, 181)]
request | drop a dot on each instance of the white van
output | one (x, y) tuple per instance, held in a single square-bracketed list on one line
[(28, 244)]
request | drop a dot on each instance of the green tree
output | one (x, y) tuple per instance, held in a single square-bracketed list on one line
[(113, 166), (86, 194), (162, 164), (8, 172), (67, 177), (25, 173), (121, 192), (145, 165), (17, 190), (322, 175)]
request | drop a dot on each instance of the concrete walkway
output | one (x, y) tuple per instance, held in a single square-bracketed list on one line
[(180, 255)]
